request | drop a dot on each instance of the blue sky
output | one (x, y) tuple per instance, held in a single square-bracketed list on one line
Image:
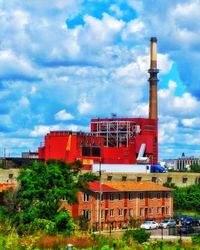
[(64, 62)]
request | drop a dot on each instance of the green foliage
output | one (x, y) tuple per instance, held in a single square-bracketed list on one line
[(42, 186), (83, 223), (139, 235), (196, 239), (64, 223), (187, 198), (170, 185), (47, 226), (195, 168)]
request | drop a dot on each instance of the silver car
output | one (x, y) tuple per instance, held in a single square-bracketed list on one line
[(167, 223), (149, 225)]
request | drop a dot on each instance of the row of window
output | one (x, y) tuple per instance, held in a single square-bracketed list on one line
[(153, 179), (119, 196), (121, 212)]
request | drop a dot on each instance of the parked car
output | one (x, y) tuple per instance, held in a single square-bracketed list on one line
[(167, 223), (187, 229), (180, 217), (149, 225), (190, 221)]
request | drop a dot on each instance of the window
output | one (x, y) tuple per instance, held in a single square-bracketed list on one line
[(102, 214), (124, 178), (154, 179), (150, 195), (139, 178), (167, 210), (151, 210), (141, 196), (169, 179), (96, 151), (158, 195), (119, 196), (111, 212), (91, 151), (10, 176), (85, 151), (130, 196), (141, 211), (158, 210), (130, 212), (120, 212), (112, 197), (185, 179), (167, 195), (109, 178), (86, 213), (86, 197)]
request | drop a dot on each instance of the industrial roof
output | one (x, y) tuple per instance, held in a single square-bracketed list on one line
[(114, 186)]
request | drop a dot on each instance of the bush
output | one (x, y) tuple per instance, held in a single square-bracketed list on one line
[(138, 235), (83, 223), (196, 239), (64, 223), (47, 226)]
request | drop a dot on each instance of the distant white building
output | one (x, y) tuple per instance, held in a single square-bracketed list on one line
[(185, 163), (30, 155)]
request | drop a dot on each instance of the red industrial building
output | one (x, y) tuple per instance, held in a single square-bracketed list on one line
[(111, 140)]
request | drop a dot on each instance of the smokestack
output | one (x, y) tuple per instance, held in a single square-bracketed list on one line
[(153, 71)]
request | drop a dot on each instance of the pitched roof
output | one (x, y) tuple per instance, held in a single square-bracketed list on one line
[(114, 186), (95, 187), (6, 186)]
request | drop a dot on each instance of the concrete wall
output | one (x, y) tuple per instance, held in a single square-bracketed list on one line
[(180, 179), (9, 175)]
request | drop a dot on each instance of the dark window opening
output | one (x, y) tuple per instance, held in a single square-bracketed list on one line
[(85, 151), (96, 151)]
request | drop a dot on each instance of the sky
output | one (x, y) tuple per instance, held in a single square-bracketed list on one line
[(64, 62)]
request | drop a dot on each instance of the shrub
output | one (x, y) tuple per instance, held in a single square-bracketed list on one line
[(47, 226), (64, 222), (139, 235), (196, 239), (83, 223)]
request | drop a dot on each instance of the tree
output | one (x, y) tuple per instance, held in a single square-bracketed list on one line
[(43, 185), (187, 198), (195, 168)]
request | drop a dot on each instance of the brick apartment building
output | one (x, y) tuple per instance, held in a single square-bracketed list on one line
[(121, 202)]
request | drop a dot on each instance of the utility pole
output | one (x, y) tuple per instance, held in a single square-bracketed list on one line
[(100, 197)]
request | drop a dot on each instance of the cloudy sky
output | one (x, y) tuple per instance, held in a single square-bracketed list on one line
[(64, 62)]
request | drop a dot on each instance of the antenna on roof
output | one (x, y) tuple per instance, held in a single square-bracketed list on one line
[(113, 115)]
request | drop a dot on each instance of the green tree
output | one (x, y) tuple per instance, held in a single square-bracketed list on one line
[(195, 168), (187, 198), (42, 186)]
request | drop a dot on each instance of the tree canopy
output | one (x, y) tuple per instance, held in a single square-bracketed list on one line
[(42, 186), (187, 198)]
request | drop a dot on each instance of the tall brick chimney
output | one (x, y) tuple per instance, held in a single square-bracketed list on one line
[(153, 71)]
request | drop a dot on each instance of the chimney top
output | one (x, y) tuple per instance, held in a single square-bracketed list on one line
[(153, 39)]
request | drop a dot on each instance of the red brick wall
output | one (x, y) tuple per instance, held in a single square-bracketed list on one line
[(149, 206)]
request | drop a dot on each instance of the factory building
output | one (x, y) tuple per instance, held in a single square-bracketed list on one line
[(111, 140)]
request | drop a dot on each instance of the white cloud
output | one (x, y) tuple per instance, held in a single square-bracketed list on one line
[(134, 29), (184, 105), (42, 130), (84, 106), (63, 115), (191, 122), (24, 101)]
